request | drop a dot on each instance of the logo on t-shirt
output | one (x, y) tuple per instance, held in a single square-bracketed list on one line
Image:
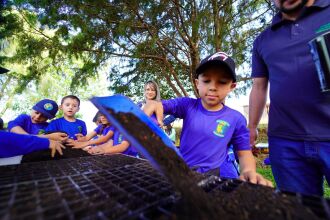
[(41, 131), (120, 138), (221, 129)]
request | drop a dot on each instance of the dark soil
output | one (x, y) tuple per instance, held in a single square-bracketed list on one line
[(44, 155), (247, 201)]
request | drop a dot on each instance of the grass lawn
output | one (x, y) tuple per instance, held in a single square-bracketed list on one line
[(267, 173)]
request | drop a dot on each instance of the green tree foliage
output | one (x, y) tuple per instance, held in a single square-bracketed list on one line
[(33, 70), (160, 40)]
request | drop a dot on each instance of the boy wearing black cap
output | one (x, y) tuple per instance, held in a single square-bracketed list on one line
[(17, 144), (209, 126), (36, 122)]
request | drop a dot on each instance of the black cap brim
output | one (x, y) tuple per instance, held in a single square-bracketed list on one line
[(3, 70)]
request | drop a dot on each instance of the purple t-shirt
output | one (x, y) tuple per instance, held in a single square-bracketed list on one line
[(206, 135), (25, 122), (298, 109), (71, 128), (118, 138), (104, 131)]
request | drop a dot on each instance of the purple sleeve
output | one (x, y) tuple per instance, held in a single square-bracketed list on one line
[(259, 68), (84, 128), (12, 144), (97, 129), (177, 107), (19, 121), (241, 136)]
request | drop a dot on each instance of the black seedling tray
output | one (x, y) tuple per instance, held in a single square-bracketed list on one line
[(44, 155), (104, 187)]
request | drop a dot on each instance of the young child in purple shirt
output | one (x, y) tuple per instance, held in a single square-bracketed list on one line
[(104, 130), (209, 126), (36, 123), (119, 145), (68, 123)]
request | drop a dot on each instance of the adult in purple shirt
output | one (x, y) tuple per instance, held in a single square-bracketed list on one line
[(209, 127), (299, 116)]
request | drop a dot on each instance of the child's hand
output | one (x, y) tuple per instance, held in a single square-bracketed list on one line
[(69, 142), (57, 136), (80, 137), (96, 150), (256, 178), (76, 144), (55, 146), (87, 148)]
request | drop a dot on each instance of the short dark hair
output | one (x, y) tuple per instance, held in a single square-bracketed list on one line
[(1, 124), (70, 97)]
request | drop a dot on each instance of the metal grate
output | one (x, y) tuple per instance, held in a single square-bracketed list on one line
[(103, 187), (109, 187)]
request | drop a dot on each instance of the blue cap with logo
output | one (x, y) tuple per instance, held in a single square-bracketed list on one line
[(46, 107)]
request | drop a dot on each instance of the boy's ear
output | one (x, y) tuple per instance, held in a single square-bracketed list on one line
[(196, 82), (233, 86), (60, 107)]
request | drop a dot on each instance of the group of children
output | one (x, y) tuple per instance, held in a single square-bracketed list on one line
[(210, 127), (67, 130)]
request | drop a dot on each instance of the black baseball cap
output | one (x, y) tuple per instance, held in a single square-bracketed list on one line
[(220, 59), (3, 70)]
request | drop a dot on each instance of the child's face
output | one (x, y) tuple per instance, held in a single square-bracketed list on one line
[(37, 117), (213, 86), (103, 120), (150, 92), (70, 107)]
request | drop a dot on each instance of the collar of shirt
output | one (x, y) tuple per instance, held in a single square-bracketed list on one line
[(278, 21)]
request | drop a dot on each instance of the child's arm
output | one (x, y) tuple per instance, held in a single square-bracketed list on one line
[(17, 125), (18, 130), (56, 136), (101, 139), (108, 148), (248, 169), (82, 138)]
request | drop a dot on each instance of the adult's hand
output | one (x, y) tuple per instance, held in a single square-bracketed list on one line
[(55, 146), (253, 136)]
